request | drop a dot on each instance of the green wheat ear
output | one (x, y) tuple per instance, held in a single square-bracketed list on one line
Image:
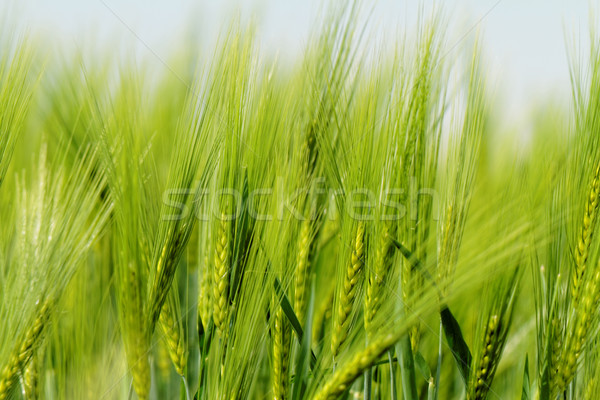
[(281, 342), (173, 331), (49, 246), (348, 290), (221, 271), (306, 243)]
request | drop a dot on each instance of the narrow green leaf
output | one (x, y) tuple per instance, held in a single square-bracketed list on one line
[(303, 358), (438, 367), (422, 366), (457, 343), (415, 263), (407, 368), (393, 394), (526, 395), (291, 316)]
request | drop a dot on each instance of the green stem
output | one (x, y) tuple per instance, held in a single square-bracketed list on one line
[(407, 369), (393, 394), (367, 390), (185, 392), (431, 390), (438, 368)]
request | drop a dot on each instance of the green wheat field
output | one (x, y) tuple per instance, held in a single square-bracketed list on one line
[(351, 226)]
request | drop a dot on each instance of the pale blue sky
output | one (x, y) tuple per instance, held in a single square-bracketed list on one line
[(524, 41)]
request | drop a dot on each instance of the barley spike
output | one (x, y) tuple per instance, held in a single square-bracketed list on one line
[(348, 290), (221, 274)]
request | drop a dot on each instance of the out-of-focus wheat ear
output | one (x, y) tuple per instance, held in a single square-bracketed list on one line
[(584, 241), (221, 271), (23, 351), (204, 273), (347, 293), (204, 295), (411, 282), (448, 230), (31, 375), (136, 339), (377, 275), (140, 371), (172, 328), (321, 315), (309, 151), (556, 344), (303, 260), (9, 376), (15, 96), (163, 359), (281, 341)]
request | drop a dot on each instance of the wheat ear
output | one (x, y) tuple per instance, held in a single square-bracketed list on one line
[(23, 351), (163, 359), (585, 237), (136, 339), (377, 277), (577, 331), (140, 367), (556, 341), (221, 274), (174, 335), (348, 290), (305, 244), (281, 339), (322, 313), (349, 372), (31, 378), (204, 295), (485, 366)]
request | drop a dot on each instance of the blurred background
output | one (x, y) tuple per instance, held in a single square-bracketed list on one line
[(526, 43)]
